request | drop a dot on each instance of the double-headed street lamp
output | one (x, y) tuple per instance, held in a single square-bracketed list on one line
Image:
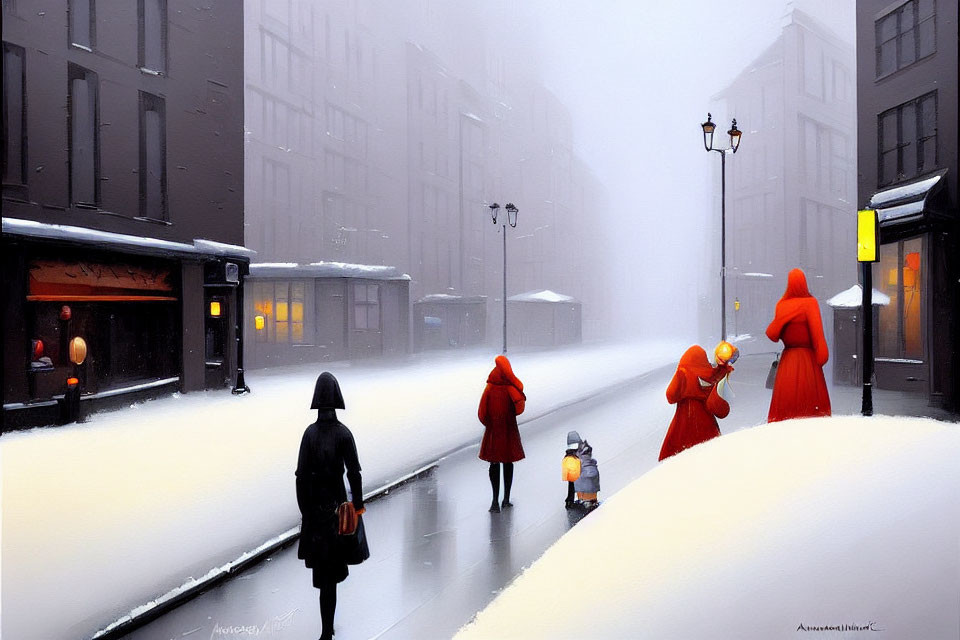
[(708, 128), (512, 221)]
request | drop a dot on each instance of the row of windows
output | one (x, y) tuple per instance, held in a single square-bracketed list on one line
[(286, 308), (83, 137), (907, 140), (151, 27), (905, 35)]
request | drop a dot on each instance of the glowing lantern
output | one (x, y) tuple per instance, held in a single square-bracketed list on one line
[(912, 260), (215, 308), (726, 353), (78, 350), (736, 305), (65, 313), (571, 468), (258, 322)]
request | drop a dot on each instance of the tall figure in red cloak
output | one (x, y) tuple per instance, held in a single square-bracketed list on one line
[(502, 401), (694, 390), (800, 390)]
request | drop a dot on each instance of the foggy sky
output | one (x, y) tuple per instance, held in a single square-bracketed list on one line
[(638, 78)]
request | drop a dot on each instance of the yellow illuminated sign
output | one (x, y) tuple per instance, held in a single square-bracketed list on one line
[(868, 235), (214, 309)]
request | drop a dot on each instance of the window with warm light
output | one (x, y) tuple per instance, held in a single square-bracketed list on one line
[(282, 311), (899, 274)]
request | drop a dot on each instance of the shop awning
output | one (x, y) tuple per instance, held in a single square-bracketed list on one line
[(910, 205), (64, 281)]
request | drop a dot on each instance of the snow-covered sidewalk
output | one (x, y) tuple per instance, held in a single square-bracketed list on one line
[(800, 529), (104, 516)]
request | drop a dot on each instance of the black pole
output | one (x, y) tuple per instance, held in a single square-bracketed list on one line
[(866, 310), (241, 386), (723, 245), (504, 289)]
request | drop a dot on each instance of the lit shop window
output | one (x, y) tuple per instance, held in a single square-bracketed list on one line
[(280, 311), (899, 274)]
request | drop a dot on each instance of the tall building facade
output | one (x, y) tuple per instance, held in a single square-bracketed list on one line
[(791, 188), (907, 171), (122, 200), (375, 138)]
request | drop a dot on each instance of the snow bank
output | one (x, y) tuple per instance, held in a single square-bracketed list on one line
[(101, 517), (820, 523)]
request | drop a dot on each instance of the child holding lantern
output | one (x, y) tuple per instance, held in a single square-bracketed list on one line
[(580, 472)]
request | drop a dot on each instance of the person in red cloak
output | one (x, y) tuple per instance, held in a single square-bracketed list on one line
[(694, 390), (800, 390), (502, 401)]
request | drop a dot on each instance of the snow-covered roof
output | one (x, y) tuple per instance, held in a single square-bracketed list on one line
[(544, 295), (326, 270), (853, 296), (33, 229), (450, 298), (757, 275)]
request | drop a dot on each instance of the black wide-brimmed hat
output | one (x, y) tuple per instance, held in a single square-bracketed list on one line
[(326, 395)]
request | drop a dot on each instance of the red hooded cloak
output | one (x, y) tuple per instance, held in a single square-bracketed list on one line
[(694, 390), (502, 401), (800, 389)]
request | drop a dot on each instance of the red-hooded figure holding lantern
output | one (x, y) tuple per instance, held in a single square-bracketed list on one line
[(800, 390), (694, 389)]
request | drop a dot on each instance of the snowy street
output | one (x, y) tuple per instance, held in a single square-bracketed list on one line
[(437, 555), (135, 503)]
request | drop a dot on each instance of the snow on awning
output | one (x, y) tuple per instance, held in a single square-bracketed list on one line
[(908, 202), (853, 296), (325, 270), (448, 298), (69, 233), (757, 275), (544, 295)]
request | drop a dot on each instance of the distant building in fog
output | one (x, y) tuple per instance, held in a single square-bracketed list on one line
[(908, 166), (791, 189), (365, 146)]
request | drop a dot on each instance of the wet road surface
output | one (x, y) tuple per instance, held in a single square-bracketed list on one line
[(437, 555)]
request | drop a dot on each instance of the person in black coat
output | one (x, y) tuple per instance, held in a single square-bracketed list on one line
[(326, 450)]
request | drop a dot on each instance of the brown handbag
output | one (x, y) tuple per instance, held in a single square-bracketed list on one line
[(347, 519)]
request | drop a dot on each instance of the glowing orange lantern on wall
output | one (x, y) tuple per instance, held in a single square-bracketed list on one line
[(78, 350), (571, 468), (215, 308), (258, 322)]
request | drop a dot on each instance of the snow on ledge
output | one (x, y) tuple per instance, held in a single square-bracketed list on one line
[(327, 270), (853, 296), (544, 295), (757, 275), (33, 229), (908, 191), (809, 522)]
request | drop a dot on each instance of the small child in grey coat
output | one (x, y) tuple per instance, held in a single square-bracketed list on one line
[(587, 486)]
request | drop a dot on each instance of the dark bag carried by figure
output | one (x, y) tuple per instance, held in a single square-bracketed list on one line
[(353, 545), (772, 374)]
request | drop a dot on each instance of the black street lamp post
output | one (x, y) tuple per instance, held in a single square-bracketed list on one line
[(708, 128), (512, 221)]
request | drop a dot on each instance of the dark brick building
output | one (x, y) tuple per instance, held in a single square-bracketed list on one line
[(907, 170), (122, 199)]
